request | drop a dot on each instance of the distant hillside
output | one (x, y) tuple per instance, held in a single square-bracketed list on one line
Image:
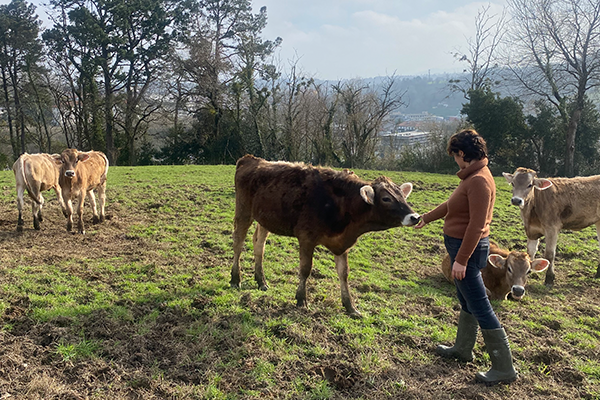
[(425, 93)]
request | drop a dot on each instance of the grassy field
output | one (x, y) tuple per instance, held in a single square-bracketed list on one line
[(140, 307)]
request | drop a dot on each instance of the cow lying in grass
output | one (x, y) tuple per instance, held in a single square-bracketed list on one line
[(506, 272), (319, 206)]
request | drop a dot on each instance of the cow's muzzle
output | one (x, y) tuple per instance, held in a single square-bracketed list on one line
[(517, 201), (69, 173), (411, 219), (517, 292)]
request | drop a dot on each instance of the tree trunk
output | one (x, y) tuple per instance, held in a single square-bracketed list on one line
[(570, 142)]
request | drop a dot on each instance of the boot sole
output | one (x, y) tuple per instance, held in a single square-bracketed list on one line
[(493, 383)]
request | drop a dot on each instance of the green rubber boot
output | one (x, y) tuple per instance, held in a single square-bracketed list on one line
[(466, 335), (496, 343)]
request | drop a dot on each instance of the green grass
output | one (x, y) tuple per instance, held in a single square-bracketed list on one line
[(142, 303)]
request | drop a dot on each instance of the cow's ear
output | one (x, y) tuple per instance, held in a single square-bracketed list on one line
[(539, 264), (83, 156), (509, 177), (496, 260), (542, 184), (57, 159), (368, 194), (406, 189)]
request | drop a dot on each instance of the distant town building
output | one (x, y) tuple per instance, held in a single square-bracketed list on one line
[(401, 139)]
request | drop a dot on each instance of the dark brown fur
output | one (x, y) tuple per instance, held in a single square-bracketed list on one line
[(319, 206)]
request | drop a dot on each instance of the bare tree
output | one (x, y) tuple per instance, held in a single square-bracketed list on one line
[(481, 56), (363, 110), (556, 56)]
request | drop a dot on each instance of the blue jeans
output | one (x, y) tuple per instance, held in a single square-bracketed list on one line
[(471, 290)]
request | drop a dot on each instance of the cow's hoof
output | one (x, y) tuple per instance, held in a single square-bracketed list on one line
[(95, 220), (234, 285), (263, 287), (355, 315), (36, 225), (19, 228), (40, 218), (301, 304)]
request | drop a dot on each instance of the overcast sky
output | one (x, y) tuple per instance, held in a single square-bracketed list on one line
[(338, 39), (341, 39)]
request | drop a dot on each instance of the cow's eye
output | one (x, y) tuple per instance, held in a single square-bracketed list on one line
[(386, 199), (509, 270), (530, 185), (528, 271)]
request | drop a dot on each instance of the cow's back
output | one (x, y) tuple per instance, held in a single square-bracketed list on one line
[(574, 203), (93, 171), (288, 198), (39, 168)]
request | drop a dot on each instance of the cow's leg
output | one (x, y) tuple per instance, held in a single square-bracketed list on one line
[(550, 253), (306, 259), (61, 200), (80, 226), (258, 239), (532, 247), (598, 234), (241, 223), (20, 203), (92, 200), (40, 206), (102, 199), (341, 265), (69, 209), (36, 201)]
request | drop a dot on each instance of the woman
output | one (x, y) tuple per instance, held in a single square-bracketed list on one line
[(468, 214)]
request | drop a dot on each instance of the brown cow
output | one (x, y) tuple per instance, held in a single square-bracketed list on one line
[(81, 173), (319, 206), (36, 173), (555, 204), (506, 272)]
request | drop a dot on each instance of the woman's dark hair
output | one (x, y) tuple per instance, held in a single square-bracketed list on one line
[(470, 143)]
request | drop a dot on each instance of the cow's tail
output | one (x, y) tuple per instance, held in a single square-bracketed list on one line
[(22, 166), (103, 178)]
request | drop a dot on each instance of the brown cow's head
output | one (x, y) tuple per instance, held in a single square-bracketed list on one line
[(68, 161), (390, 201), (522, 181), (516, 268)]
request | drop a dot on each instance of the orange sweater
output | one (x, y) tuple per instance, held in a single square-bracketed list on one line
[(468, 211)]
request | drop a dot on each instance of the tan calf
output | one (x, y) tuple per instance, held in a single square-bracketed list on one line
[(506, 272), (549, 205), (36, 173), (80, 174)]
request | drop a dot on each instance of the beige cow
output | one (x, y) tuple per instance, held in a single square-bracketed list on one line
[(80, 174), (36, 173), (549, 205), (506, 272)]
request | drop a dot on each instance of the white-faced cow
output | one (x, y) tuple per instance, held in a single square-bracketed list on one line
[(319, 206), (506, 272), (36, 173), (80, 174), (549, 205)]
